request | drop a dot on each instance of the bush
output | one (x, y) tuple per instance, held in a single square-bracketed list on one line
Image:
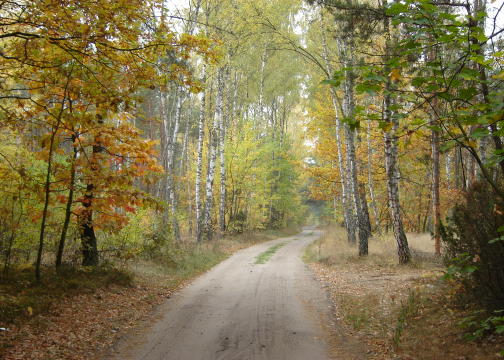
[(474, 246)]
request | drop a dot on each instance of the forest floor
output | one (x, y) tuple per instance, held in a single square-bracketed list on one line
[(400, 312), (80, 314)]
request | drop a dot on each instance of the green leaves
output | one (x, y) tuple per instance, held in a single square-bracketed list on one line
[(462, 266), (332, 82), (369, 87), (336, 79), (478, 325), (396, 8)]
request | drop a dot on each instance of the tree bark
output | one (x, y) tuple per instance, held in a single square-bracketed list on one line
[(392, 171), (214, 138), (47, 193), (363, 240), (346, 202), (68, 208), (435, 191), (448, 169), (170, 170), (47, 185), (90, 256), (199, 160), (391, 157), (222, 156), (347, 51), (370, 178)]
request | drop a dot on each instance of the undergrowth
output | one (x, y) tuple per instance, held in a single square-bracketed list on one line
[(21, 297), (374, 296), (408, 310)]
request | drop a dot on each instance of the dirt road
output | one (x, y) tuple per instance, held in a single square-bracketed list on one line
[(241, 310)]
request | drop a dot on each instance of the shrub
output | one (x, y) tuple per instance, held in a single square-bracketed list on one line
[(474, 246)]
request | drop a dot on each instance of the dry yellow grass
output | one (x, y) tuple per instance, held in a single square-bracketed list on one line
[(333, 248), (394, 309)]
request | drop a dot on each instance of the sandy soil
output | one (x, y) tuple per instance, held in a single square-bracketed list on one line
[(243, 310)]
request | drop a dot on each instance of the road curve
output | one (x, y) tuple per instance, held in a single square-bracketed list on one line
[(240, 310)]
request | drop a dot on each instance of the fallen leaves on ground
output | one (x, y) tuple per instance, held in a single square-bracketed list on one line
[(82, 326), (368, 299)]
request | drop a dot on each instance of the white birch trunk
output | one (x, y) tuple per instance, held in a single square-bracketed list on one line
[(199, 160), (391, 157), (435, 191), (349, 112), (392, 171), (448, 168), (370, 178), (222, 156), (170, 185), (347, 211), (212, 157)]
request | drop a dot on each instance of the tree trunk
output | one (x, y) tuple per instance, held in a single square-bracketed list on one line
[(345, 200), (90, 255), (370, 178), (199, 161), (435, 191), (476, 22), (391, 155), (222, 156), (212, 157), (47, 190), (170, 170), (393, 183), (448, 169), (363, 240), (349, 113), (436, 213), (68, 208), (459, 169)]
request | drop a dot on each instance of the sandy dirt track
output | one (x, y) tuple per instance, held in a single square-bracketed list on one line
[(241, 310)]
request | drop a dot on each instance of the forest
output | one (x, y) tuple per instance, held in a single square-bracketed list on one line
[(169, 134)]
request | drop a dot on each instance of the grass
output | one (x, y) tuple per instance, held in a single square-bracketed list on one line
[(180, 263), (333, 249), (373, 293), (396, 309), (263, 257), (408, 310)]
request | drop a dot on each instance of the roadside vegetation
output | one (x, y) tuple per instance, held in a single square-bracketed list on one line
[(397, 310)]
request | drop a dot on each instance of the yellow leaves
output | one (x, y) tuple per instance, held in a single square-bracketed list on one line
[(499, 76), (386, 127), (29, 310), (472, 143), (395, 74)]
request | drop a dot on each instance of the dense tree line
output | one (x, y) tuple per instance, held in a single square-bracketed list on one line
[(127, 127)]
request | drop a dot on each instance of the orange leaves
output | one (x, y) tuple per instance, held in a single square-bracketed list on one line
[(36, 217), (62, 199), (123, 156), (129, 209)]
